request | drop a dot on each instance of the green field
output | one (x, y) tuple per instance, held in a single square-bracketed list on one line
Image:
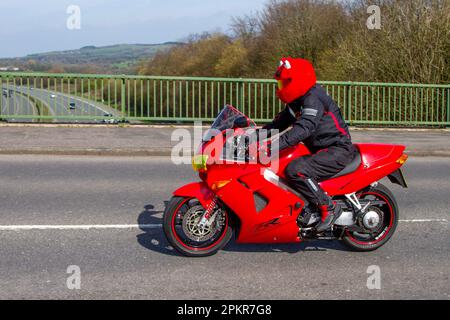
[(115, 59)]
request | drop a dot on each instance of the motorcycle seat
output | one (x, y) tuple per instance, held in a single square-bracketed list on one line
[(351, 167)]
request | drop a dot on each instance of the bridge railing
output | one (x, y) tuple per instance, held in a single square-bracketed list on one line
[(186, 99)]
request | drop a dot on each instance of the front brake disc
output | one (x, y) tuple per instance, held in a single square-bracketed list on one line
[(191, 224)]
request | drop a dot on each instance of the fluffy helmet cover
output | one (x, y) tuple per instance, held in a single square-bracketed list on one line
[(295, 77)]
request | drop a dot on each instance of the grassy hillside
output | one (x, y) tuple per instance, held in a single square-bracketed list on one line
[(116, 59)]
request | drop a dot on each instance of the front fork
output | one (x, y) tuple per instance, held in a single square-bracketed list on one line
[(205, 220)]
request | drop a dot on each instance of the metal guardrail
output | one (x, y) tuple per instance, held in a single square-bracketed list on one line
[(103, 98)]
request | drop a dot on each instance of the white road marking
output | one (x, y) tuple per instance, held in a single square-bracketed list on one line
[(78, 227), (425, 220), (137, 226)]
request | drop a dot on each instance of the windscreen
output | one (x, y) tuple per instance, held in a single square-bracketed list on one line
[(228, 118)]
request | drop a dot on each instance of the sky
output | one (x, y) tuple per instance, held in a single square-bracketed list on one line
[(28, 27)]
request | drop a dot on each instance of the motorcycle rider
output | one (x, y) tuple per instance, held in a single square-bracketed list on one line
[(316, 121)]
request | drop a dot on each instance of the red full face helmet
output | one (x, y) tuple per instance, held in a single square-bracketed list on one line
[(295, 78)]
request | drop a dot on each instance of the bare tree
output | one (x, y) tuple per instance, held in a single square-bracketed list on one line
[(412, 45)]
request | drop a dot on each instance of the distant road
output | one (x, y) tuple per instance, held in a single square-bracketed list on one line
[(59, 104), (17, 104)]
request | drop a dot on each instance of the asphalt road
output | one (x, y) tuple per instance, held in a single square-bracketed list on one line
[(127, 262), (17, 104), (59, 104)]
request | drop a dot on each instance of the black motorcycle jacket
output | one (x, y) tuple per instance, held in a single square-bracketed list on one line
[(316, 121)]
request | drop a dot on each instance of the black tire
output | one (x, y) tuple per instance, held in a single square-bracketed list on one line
[(391, 208), (175, 204)]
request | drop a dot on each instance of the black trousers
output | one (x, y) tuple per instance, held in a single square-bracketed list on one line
[(305, 173)]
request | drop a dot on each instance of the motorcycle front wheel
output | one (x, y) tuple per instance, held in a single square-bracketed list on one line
[(181, 228)]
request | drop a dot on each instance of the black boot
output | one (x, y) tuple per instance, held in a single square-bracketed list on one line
[(330, 214)]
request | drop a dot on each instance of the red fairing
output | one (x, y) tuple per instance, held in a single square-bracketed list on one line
[(378, 161), (197, 190), (276, 222), (296, 77)]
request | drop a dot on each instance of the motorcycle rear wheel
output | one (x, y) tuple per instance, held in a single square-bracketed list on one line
[(390, 216), (180, 228)]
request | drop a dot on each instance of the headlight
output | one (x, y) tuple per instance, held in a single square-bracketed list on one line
[(199, 163), (280, 85)]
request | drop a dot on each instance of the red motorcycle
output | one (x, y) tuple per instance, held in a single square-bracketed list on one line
[(254, 202)]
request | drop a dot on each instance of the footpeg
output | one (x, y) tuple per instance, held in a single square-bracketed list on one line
[(331, 215)]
